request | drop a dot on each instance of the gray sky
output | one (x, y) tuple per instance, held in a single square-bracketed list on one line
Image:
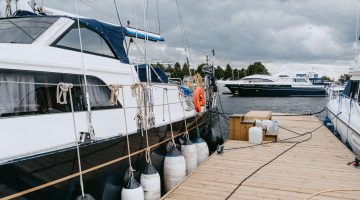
[(286, 35)]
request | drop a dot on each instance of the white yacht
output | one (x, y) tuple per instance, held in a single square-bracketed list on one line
[(63, 100), (343, 110), (221, 86), (274, 86)]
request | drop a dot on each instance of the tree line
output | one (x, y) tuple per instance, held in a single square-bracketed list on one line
[(178, 71), (229, 73)]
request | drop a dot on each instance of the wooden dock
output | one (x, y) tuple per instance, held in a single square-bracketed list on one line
[(317, 165)]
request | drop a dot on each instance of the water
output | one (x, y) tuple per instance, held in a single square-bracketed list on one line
[(296, 105), (292, 105)]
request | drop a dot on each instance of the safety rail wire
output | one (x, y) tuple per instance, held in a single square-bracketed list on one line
[(63, 179), (107, 86)]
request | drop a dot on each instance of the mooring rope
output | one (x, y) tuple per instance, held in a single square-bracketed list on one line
[(61, 93), (334, 190), (262, 166), (114, 88)]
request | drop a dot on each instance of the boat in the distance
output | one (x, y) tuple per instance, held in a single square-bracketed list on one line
[(278, 86), (221, 85)]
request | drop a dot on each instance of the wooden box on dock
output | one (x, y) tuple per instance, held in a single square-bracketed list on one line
[(234, 126), (239, 128), (260, 115)]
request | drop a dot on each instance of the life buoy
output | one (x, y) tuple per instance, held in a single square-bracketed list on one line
[(199, 98)]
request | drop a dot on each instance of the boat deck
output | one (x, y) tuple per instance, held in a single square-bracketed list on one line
[(316, 165)]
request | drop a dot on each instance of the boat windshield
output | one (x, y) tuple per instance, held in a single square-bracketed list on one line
[(23, 30)]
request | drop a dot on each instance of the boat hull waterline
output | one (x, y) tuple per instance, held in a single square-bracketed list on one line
[(275, 91), (55, 175)]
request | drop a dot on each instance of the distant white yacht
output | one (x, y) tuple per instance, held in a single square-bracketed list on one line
[(308, 84)]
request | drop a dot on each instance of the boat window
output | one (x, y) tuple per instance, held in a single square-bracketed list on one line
[(257, 80), (317, 81), (354, 91), (17, 98), (23, 30), (99, 94), (299, 80), (157, 74), (28, 92), (92, 42)]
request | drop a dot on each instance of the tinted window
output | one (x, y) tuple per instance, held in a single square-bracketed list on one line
[(23, 30), (354, 91), (19, 95), (157, 74), (91, 42), (299, 80)]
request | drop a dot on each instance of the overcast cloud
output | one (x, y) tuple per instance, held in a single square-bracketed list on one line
[(286, 35)]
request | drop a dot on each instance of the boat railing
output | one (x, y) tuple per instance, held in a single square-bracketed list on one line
[(113, 88), (346, 105)]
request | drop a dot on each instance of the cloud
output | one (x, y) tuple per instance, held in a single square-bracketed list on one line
[(309, 32)]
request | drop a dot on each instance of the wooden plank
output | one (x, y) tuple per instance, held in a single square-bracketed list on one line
[(310, 167)]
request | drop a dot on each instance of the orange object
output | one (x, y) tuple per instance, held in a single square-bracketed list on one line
[(199, 98)]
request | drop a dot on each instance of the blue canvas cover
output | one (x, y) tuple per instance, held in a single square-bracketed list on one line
[(114, 35)]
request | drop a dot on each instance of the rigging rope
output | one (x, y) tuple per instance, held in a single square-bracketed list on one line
[(147, 152), (158, 15), (90, 126), (62, 90), (118, 17), (171, 128), (184, 36), (98, 8), (356, 34), (183, 108), (131, 170)]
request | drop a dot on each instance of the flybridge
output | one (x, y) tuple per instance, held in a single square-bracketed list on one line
[(130, 31)]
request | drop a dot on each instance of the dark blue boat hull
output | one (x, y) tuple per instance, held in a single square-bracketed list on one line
[(274, 90), (102, 182)]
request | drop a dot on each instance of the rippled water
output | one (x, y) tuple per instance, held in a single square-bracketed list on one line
[(295, 105), (234, 104)]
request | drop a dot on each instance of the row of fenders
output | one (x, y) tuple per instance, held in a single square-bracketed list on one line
[(177, 165)]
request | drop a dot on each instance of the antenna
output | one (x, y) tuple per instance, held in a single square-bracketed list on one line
[(8, 12), (357, 33)]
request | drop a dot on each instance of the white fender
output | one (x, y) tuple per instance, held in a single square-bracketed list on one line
[(132, 191), (174, 168), (202, 149), (188, 150), (150, 181)]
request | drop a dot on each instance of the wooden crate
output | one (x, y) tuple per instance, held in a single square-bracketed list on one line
[(244, 129), (272, 138), (234, 125)]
